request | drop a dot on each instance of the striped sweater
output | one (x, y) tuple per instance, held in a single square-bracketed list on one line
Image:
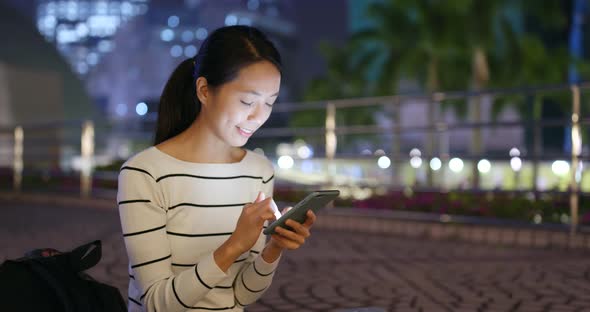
[(174, 215)]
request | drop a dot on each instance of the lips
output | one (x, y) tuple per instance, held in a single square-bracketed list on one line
[(245, 132)]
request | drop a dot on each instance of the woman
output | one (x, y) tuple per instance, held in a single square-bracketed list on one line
[(193, 206)]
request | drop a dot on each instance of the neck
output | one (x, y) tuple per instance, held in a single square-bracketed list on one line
[(199, 144)]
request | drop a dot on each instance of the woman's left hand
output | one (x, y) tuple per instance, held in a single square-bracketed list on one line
[(287, 239)]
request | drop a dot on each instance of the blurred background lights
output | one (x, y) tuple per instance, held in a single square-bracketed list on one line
[(484, 166), (141, 108), (416, 162), (173, 21), (176, 50), (167, 35), (456, 164), (187, 36), (285, 162), (383, 162), (190, 51), (253, 5), (231, 20), (121, 110), (304, 152), (435, 164), (201, 33), (560, 167), (514, 152), (516, 163)]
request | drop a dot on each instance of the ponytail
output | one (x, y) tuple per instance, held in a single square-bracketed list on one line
[(179, 105)]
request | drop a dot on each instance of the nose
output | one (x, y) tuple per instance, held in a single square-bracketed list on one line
[(257, 114)]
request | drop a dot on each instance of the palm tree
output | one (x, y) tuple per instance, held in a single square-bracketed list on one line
[(530, 60), (445, 45)]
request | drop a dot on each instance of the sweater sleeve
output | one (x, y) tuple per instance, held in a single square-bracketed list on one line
[(256, 275), (143, 221)]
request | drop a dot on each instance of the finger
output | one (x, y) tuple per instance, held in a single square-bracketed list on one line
[(260, 197), (284, 242), (299, 228), (267, 216), (310, 220), (290, 235), (261, 207), (264, 204), (257, 202), (286, 209)]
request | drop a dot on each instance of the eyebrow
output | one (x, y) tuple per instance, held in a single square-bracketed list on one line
[(256, 93)]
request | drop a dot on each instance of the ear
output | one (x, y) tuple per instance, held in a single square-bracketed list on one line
[(202, 90)]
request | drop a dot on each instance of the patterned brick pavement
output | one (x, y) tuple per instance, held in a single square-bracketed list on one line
[(341, 271)]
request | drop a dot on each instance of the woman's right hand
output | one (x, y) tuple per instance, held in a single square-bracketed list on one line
[(250, 223)]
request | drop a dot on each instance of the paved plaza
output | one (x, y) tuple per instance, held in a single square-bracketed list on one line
[(340, 271)]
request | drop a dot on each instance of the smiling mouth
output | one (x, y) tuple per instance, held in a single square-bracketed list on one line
[(245, 132)]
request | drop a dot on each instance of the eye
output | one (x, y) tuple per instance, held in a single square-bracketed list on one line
[(268, 104), (246, 103)]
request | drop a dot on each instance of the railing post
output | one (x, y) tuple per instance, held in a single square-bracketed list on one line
[(537, 140), (430, 141), (396, 143), (331, 139), (576, 151), (17, 162), (87, 151), (438, 147)]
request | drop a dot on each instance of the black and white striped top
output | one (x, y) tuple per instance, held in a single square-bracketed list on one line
[(174, 215)]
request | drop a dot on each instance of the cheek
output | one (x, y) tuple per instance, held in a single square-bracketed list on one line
[(266, 115), (235, 115), (225, 111)]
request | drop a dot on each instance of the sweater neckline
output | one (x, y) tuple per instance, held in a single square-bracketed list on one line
[(190, 163)]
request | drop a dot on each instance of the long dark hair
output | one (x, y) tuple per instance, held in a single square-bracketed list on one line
[(220, 58)]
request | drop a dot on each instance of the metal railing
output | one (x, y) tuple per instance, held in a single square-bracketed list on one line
[(330, 131)]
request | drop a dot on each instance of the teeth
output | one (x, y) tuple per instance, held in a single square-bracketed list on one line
[(246, 130)]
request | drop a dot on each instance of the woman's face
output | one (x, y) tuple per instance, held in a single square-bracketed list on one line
[(235, 110)]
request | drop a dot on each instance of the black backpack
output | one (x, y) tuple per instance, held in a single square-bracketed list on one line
[(49, 280)]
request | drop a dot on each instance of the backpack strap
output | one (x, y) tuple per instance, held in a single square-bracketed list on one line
[(86, 256)]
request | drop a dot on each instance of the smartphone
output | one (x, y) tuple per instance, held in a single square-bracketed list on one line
[(314, 201)]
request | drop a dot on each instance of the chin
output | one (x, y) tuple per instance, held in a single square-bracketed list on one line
[(238, 143)]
